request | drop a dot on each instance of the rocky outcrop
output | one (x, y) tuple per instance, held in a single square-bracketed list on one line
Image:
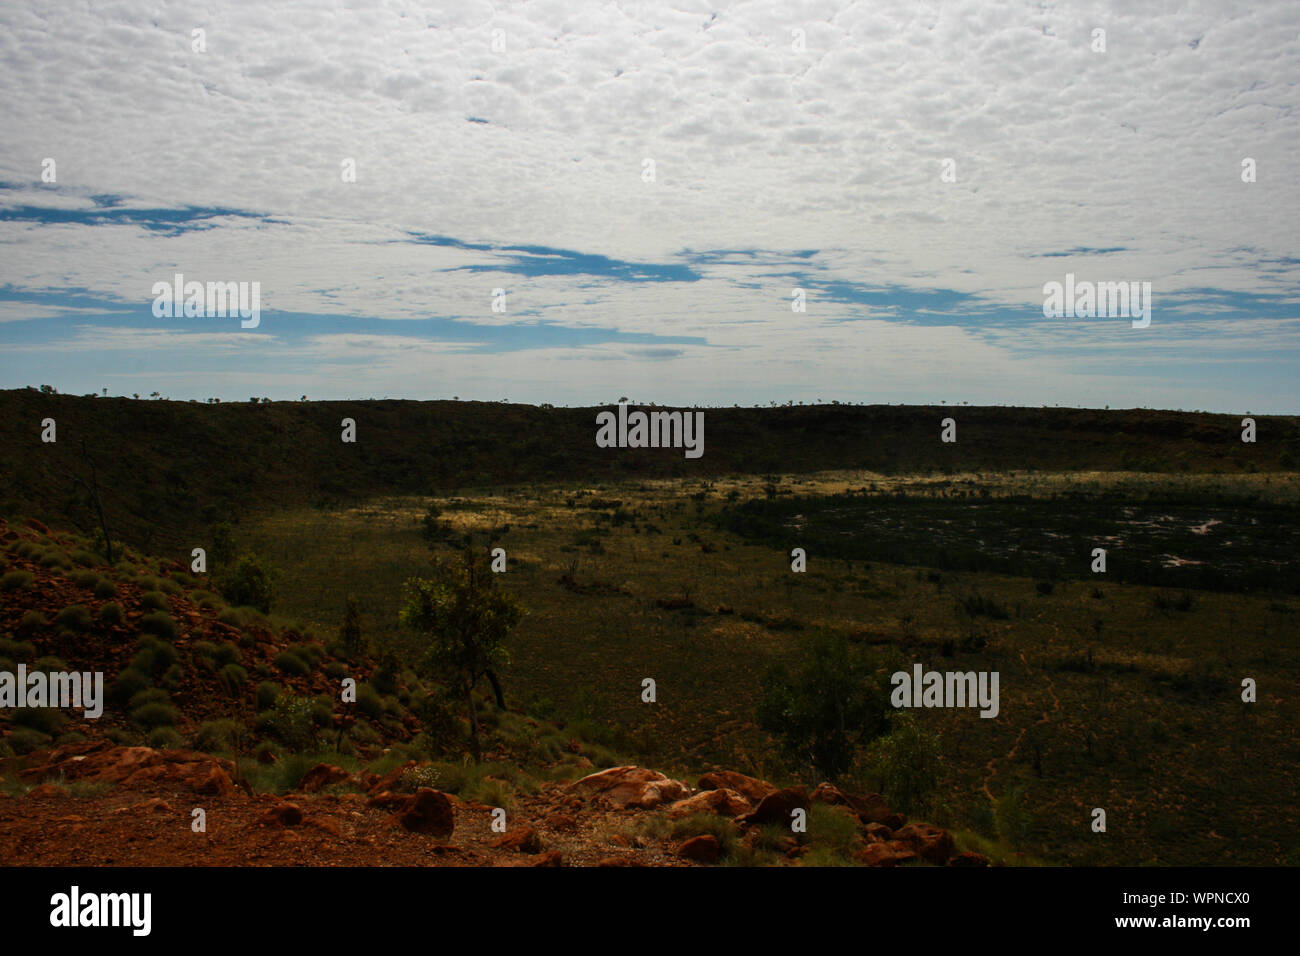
[(632, 787)]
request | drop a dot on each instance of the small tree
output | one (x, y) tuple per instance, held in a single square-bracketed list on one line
[(466, 620), (909, 764), (252, 583), (350, 635), (829, 709)]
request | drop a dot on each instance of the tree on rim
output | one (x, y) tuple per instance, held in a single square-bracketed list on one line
[(466, 620)]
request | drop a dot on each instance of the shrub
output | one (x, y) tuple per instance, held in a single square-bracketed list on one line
[(47, 720), (84, 579), (217, 654), (291, 722), (15, 580), (350, 632), (220, 735), (165, 738), (155, 714), (87, 559), (111, 613), (24, 740), (252, 583), (105, 588), (74, 617), (233, 678), (267, 694), (126, 685), (908, 762), (832, 706), (159, 623), (290, 663), (1012, 820), (18, 650), (32, 621), (153, 655), (154, 601), (149, 695), (369, 702), (977, 605)]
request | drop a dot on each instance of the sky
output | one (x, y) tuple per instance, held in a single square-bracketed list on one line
[(569, 202)]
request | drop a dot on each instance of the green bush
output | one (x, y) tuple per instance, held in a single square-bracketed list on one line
[(233, 678), (84, 579), (220, 735), (15, 580), (252, 583), (47, 720), (87, 559), (154, 601), (908, 761), (74, 617), (291, 722), (153, 656), (166, 738), (32, 621), (150, 695), (24, 740), (159, 623), (290, 663), (126, 685), (111, 613), (18, 650), (369, 702), (105, 589), (156, 714), (267, 694)]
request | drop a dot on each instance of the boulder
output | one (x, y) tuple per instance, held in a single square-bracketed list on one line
[(751, 788), (969, 858), (777, 807), (881, 854), (929, 843), (519, 840), (632, 787), (282, 815), (727, 803), (321, 776), (702, 849), (429, 811)]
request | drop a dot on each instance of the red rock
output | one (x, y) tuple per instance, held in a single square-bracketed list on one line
[(619, 861), (702, 849), (727, 803), (751, 788), (929, 843), (519, 840), (777, 807), (387, 799), (282, 815), (389, 780), (36, 526), (321, 776), (45, 790), (153, 805), (969, 858), (429, 811), (895, 821), (878, 833), (879, 854), (633, 787), (549, 858)]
